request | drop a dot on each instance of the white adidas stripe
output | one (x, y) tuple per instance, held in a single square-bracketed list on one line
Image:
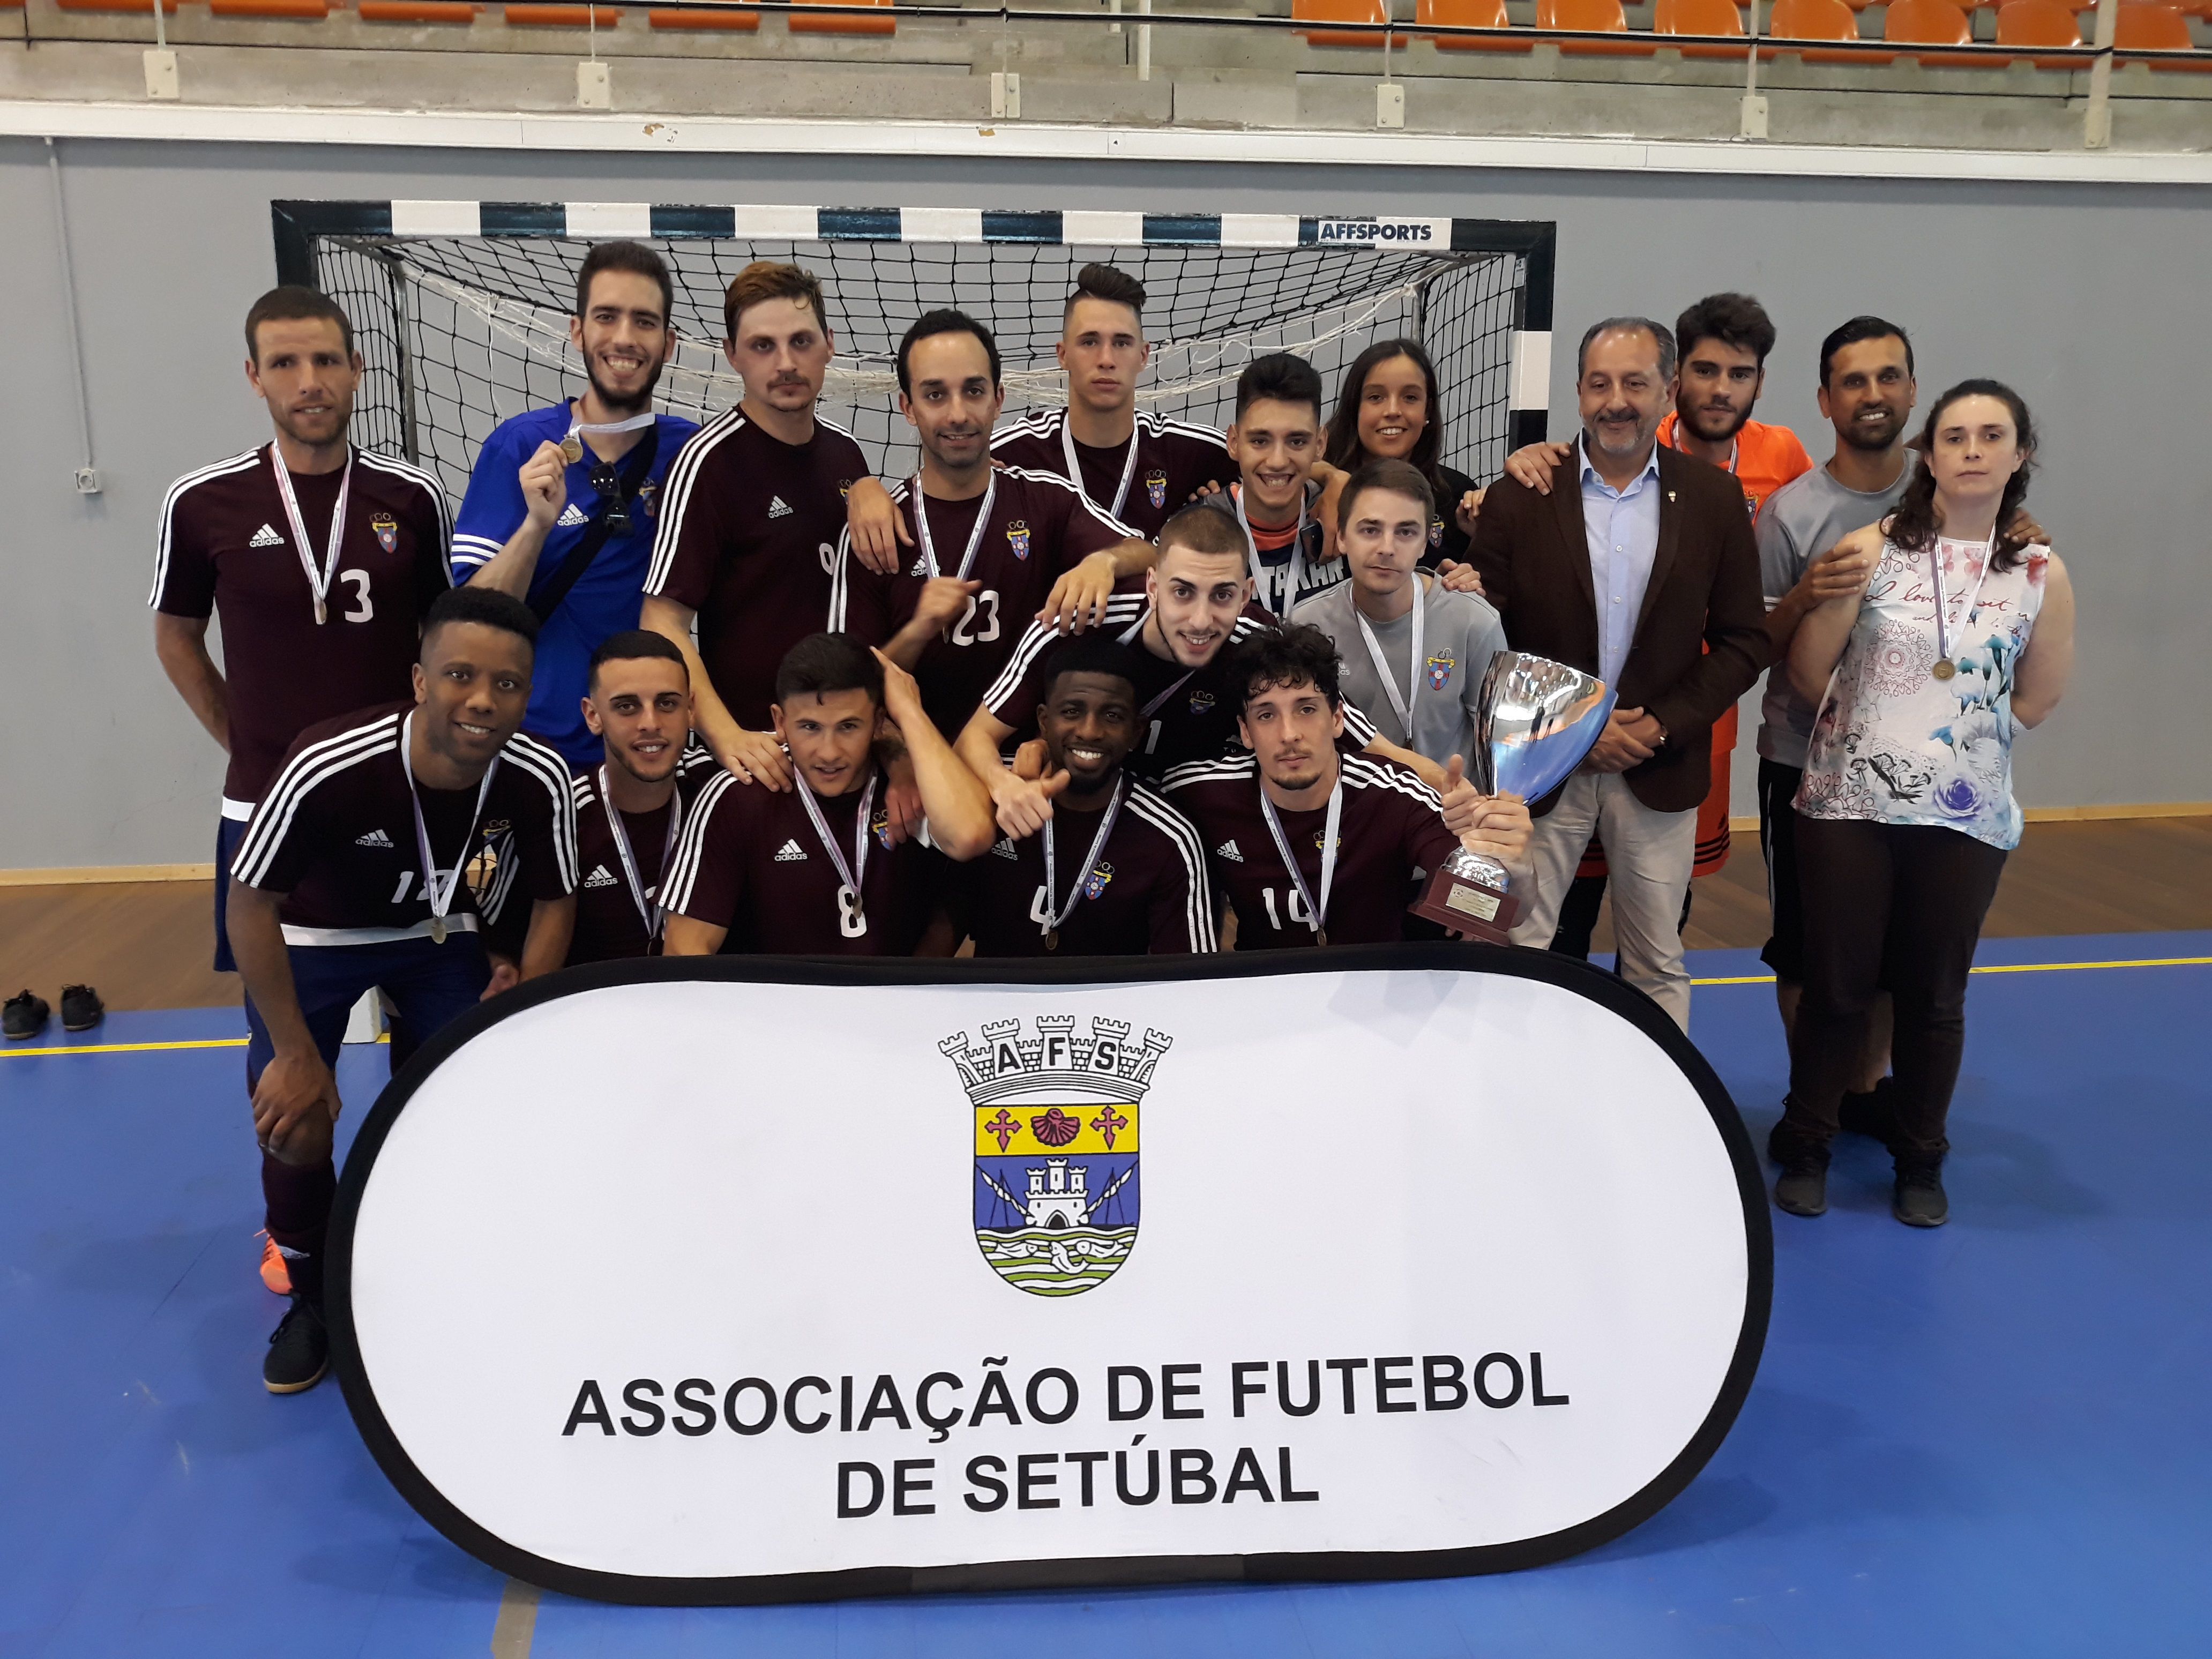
[(164, 517)]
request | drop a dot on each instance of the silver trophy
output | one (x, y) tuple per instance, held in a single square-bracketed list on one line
[(1537, 719)]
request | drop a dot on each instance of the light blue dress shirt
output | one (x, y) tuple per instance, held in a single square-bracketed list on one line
[(1622, 528)]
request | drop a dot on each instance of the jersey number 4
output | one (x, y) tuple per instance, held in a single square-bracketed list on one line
[(966, 632)]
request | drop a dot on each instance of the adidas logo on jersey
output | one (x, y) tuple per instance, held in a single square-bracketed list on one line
[(776, 509), (598, 877), (1003, 848), (921, 566), (571, 514), (1228, 850), (791, 852), (266, 536), (373, 838)]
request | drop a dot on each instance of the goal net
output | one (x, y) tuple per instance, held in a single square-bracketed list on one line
[(461, 332)]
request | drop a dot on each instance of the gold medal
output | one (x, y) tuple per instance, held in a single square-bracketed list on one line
[(1052, 939), (437, 930), (571, 449), (1321, 937), (1945, 669)]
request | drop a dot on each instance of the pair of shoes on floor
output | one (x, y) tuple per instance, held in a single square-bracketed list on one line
[(299, 1350), (25, 1014)]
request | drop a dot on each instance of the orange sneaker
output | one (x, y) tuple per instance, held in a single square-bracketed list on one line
[(275, 1272)]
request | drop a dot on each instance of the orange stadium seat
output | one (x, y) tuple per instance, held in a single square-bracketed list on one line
[(2040, 23), (307, 10), (1342, 11), (563, 17), (1934, 23), (2143, 28), (1817, 20), (1699, 17), (820, 23), (1597, 17), (169, 6), (742, 18), (1468, 15), (418, 11)]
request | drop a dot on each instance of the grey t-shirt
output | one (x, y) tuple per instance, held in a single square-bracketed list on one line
[(1800, 521), (1460, 634)]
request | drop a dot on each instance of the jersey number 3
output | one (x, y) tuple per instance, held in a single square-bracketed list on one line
[(364, 607)]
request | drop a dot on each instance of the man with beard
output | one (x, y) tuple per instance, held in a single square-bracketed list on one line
[(629, 808), (995, 547), (559, 507), (749, 524), (1115, 870), (1645, 575)]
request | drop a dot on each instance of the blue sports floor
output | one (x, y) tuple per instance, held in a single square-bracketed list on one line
[(1988, 1439)]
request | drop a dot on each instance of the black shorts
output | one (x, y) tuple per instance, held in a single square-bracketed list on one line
[(1784, 951)]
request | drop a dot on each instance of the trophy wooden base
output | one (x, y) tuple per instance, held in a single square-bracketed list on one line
[(1471, 908)]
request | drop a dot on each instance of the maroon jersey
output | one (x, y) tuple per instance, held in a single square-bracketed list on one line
[(1187, 714), (1172, 461), (749, 860), (1040, 528), (1146, 892), (749, 530), (609, 924), (225, 544), (335, 834), (1392, 828)]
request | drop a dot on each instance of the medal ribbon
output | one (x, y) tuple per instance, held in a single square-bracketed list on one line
[(1316, 915), (975, 536), (1075, 467), (318, 583), (652, 916), (1090, 862), (572, 446), (1935, 571), (851, 873), (1403, 707), (1129, 633), (1295, 573), (440, 898)]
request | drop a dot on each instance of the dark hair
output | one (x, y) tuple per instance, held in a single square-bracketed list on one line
[(1106, 283), (1204, 529), (823, 663), (1398, 477), (294, 302), (1289, 654), (1914, 526), (484, 605), (1092, 653), (765, 279), (631, 645), (1858, 329), (1735, 319), (944, 321), (1342, 448), (1282, 376), (1608, 325), (632, 257)]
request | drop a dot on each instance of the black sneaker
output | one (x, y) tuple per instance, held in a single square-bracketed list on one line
[(298, 1351), (1803, 1189), (82, 1008), (1919, 1200), (23, 1015), (1874, 1113)]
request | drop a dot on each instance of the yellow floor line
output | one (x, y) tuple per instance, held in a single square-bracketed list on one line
[(1746, 978)]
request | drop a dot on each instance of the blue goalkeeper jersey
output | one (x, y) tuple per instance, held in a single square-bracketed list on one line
[(606, 596)]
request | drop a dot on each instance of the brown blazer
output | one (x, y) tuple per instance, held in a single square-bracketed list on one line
[(1704, 592)]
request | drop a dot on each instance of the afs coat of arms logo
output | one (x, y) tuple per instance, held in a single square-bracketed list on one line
[(1055, 1145)]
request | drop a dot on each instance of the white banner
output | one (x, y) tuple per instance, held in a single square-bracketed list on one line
[(906, 1277)]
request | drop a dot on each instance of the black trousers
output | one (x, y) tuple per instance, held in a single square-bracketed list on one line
[(1896, 907)]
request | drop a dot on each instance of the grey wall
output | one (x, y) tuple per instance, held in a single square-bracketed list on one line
[(2077, 295)]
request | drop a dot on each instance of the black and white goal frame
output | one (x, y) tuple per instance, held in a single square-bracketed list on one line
[(298, 225)]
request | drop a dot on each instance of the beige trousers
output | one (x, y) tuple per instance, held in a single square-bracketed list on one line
[(1649, 854)]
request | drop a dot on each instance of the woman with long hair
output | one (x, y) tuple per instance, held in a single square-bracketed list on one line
[(1388, 411), (1958, 637)]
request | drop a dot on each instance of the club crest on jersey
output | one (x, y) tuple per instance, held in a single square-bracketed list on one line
[(1095, 883), (1435, 532), (880, 827), (844, 488), (387, 532), (645, 493), (1201, 702), (1440, 669), (1055, 1120), (1017, 537), (1155, 488)]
